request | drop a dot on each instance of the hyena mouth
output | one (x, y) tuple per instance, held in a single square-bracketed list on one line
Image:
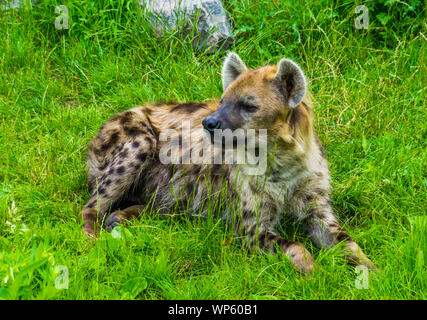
[(228, 139)]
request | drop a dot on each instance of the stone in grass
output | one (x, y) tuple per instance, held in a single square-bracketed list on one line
[(205, 19), (13, 4)]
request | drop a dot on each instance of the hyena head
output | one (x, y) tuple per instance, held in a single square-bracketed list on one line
[(268, 97)]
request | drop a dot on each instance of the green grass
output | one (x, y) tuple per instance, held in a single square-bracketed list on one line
[(58, 86)]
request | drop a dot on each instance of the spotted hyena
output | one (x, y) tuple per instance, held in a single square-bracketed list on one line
[(126, 172)]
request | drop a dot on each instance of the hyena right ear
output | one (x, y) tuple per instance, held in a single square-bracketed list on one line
[(233, 66), (292, 80)]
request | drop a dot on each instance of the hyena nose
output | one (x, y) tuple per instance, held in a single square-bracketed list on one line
[(211, 123)]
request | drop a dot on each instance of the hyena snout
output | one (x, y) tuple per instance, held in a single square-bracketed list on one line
[(226, 117), (223, 125), (211, 123), (220, 130)]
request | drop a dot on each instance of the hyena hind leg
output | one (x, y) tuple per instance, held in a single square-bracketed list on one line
[(119, 176)]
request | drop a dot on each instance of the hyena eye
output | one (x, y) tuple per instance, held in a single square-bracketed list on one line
[(248, 107)]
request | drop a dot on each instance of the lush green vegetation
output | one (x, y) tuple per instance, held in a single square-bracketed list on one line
[(58, 86)]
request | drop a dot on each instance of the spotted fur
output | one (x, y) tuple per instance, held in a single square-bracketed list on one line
[(124, 166)]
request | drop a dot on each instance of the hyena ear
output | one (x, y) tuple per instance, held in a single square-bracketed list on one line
[(293, 82), (233, 66)]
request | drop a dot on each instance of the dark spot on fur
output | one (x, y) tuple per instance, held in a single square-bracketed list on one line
[(283, 243), (133, 131), (320, 215), (93, 149), (190, 187), (306, 106), (125, 117), (91, 204), (307, 198), (101, 190), (261, 239), (123, 154), (275, 176), (246, 214), (111, 171), (216, 169), (113, 138), (151, 128), (120, 169), (342, 235), (195, 170), (271, 237), (90, 186), (108, 182), (321, 192), (171, 171), (151, 132), (334, 224), (141, 156), (135, 144)]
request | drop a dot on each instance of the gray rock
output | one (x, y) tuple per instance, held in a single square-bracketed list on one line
[(205, 19), (11, 4)]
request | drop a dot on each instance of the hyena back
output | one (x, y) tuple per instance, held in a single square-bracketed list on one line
[(125, 168)]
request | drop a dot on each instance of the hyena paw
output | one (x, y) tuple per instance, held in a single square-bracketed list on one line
[(89, 229), (370, 265), (114, 220), (89, 226), (360, 259), (302, 259)]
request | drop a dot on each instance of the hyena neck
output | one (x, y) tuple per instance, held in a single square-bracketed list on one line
[(293, 161)]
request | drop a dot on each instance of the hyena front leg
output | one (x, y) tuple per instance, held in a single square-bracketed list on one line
[(120, 174), (268, 240), (324, 229)]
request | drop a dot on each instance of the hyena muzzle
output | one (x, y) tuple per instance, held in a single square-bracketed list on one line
[(126, 173)]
